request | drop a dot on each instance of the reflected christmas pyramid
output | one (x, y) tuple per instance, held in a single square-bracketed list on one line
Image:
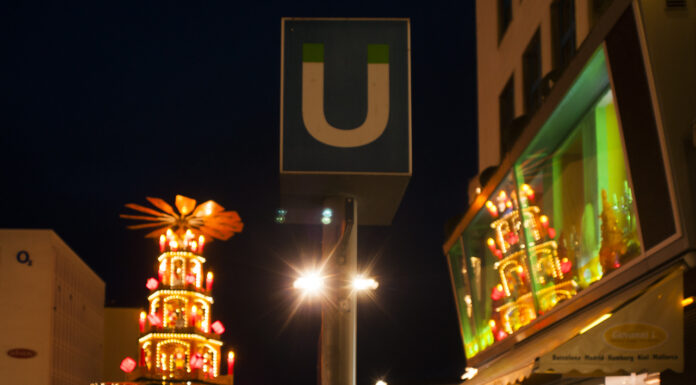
[(549, 278), (530, 259)]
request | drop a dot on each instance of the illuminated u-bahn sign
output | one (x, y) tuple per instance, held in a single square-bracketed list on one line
[(345, 124), (345, 96)]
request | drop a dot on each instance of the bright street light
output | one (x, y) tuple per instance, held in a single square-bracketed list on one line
[(361, 283), (469, 374), (310, 283)]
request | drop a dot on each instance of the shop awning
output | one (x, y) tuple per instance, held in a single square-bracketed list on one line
[(645, 335), (646, 319)]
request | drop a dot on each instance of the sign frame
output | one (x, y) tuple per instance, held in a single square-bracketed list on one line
[(379, 193)]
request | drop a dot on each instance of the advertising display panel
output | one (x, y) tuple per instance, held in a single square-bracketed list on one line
[(562, 219)]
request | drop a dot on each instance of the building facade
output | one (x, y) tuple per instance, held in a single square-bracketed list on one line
[(53, 311), (582, 220), (121, 334)]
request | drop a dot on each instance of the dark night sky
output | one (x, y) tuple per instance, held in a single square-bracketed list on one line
[(105, 104)]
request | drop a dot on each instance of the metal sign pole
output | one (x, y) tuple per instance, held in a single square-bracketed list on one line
[(338, 316)]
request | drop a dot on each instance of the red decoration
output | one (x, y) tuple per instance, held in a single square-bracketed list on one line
[(141, 321), (154, 319), (152, 284), (217, 327), (498, 254), (197, 361), (500, 335), (551, 232), (190, 279), (128, 365), (513, 238)]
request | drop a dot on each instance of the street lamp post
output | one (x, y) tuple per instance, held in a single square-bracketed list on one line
[(339, 283), (338, 313)]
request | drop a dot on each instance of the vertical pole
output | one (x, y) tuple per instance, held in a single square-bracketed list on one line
[(338, 315)]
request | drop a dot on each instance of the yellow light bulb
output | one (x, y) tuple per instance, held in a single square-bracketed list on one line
[(491, 242)]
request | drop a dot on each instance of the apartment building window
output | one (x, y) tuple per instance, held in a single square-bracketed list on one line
[(504, 17), (506, 101), (563, 38), (531, 68)]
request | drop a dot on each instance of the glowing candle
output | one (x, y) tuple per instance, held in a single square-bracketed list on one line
[(162, 242), (230, 363), (194, 315), (566, 265), (520, 272), (492, 209), (162, 269), (497, 292), (143, 317), (491, 244), (209, 281), (528, 191), (201, 242)]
